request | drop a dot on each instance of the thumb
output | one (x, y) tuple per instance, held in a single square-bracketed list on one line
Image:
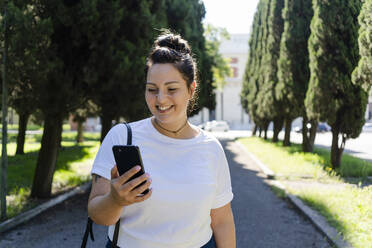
[(114, 172)]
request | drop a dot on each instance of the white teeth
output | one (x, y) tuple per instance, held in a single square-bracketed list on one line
[(164, 108)]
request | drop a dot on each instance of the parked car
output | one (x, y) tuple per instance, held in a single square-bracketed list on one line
[(367, 127), (322, 127), (212, 126), (298, 129), (202, 126)]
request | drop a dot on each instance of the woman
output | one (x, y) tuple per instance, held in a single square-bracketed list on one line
[(188, 205)]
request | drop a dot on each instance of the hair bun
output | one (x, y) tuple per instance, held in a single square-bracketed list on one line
[(174, 42)]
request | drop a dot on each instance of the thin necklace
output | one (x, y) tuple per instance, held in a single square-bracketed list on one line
[(174, 132)]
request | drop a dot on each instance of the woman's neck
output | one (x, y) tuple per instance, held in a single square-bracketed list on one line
[(180, 131)]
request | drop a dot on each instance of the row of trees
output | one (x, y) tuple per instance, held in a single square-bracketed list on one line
[(310, 59), (87, 57)]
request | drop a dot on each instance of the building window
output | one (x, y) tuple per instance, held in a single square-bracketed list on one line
[(233, 60), (235, 71)]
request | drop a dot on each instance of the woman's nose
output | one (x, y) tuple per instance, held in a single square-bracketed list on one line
[(161, 96)]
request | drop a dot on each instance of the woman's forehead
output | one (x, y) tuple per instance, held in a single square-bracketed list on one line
[(164, 73)]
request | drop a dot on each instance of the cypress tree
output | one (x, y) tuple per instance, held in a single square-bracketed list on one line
[(121, 38), (334, 54), (362, 75), (253, 78), (293, 69), (63, 88), (28, 34), (248, 87), (269, 106)]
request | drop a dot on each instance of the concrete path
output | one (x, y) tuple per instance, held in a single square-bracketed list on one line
[(262, 220)]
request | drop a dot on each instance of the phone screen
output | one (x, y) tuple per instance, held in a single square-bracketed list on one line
[(126, 157)]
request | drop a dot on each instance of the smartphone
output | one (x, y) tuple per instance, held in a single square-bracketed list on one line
[(126, 158)]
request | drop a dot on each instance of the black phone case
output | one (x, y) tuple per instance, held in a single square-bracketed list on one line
[(126, 157)]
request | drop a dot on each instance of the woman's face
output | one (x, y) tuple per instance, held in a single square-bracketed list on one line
[(167, 94)]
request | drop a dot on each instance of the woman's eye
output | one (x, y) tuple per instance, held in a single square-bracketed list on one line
[(151, 90), (172, 89)]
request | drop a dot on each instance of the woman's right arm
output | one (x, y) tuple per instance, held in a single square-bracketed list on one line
[(108, 197)]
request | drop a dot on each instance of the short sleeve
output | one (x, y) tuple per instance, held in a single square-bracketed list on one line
[(224, 193), (105, 160)]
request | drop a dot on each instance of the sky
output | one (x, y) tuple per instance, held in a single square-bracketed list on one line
[(235, 15)]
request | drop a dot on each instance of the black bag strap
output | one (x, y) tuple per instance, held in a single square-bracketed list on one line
[(89, 226), (88, 230), (117, 225), (129, 133)]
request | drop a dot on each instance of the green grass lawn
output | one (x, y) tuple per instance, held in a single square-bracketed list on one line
[(65, 127), (72, 169), (29, 127), (347, 207)]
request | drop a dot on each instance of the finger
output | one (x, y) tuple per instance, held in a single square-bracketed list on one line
[(143, 197), (142, 188), (114, 172), (125, 177), (129, 186)]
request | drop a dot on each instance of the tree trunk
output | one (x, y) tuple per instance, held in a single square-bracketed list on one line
[(314, 126), (308, 135), (287, 134), (259, 132), (106, 122), (265, 130), (79, 136), (22, 126), (278, 125), (336, 151), (305, 135), (254, 132), (47, 158)]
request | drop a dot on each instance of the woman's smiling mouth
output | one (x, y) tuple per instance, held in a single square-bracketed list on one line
[(163, 109)]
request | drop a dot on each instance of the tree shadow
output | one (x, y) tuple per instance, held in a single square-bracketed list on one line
[(258, 211), (21, 168), (326, 212), (352, 170)]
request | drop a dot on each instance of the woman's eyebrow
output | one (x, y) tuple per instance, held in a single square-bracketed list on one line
[(170, 82)]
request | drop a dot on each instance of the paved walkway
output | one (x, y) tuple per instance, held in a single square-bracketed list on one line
[(262, 220)]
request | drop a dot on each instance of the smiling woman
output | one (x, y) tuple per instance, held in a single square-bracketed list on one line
[(168, 96), (189, 205)]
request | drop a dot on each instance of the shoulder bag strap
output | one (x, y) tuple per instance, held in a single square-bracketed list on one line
[(88, 230), (89, 226), (117, 225)]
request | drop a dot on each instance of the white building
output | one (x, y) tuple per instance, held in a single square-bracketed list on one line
[(369, 107), (228, 106)]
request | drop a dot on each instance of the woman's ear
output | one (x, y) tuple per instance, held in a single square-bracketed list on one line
[(192, 88)]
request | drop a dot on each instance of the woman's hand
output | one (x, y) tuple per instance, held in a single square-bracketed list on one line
[(123, 192)]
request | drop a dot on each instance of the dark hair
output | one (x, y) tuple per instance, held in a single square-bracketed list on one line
[(171, 48)]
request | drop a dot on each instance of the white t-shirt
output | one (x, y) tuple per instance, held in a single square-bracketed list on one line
[(189, 178)]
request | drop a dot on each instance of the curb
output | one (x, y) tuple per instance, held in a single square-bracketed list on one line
[(318, 220), (21, 218)]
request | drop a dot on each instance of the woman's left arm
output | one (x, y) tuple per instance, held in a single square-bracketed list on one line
[(223, 226)]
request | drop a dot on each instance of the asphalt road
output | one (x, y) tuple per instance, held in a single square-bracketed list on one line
[(262, 220)]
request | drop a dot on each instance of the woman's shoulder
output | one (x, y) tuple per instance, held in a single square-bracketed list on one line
[(133, 125), (120, 129), (210, 140)]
